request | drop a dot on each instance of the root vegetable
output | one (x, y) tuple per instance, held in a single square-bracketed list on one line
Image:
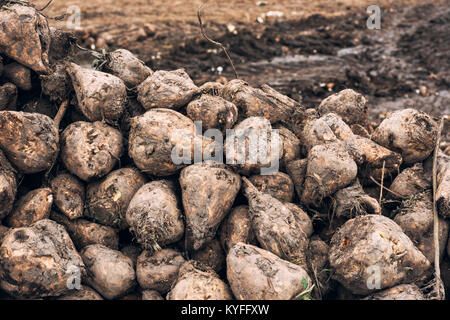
[(38, 261), (211, 255), (34, 206), (69, 195), (100, 96), (132, 251), (257, 274), (297, 171), (348, 104), (318, 263), (198, 282), (353, 201), (277, 227), (253, 147), (409, 132), (302, 217), (316, 132), (208, 192), (8, 186), (61, 45), (370, 156), (372, 245), (151, 295), (279, 185), (108, 199), (158, 271), (110, 272), (213, 111), (8, 96), (291, 145), (90, 150), (360, 131), (29, 140), (84, 293), (410, 182), (19, 75), (237, 227), (330, 168), (154, 215), (156, 136), (415, 217), (25, 36), (84, 233), (255, 102), (400, 292), (57, 84), (167, 89), (124, 65)]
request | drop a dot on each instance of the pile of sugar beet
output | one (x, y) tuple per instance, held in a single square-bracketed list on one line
[(93, 207)]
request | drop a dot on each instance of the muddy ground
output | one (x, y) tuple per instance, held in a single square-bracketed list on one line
[(304, 54)]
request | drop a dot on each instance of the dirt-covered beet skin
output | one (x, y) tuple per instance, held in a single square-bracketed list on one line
[(33, 206), (107, 200), (69, 195), (278, 228), (214, 112), (208, 192), (153, 137), (257, 274), (84, 232), (154, 215), (330, 168), (236, 227), (19, 75), (22, 255), (100, 96), (211, 255), (29, 140), (167, 89), (158, 271), (90, 150), (110, 272), (8, 96), (348, 104), (409, 132), (400, 292), (198, 282), (415, 217), (374, 242), (245, 152), (279, 185), (123, 64), (25, 36), (8, 186)]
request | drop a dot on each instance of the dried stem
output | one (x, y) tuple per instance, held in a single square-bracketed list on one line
[(218, 44), (438, 291), (382, 182), (61, 113), (385, 188)]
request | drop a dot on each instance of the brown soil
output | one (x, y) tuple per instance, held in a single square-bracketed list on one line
[(317, 47)]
